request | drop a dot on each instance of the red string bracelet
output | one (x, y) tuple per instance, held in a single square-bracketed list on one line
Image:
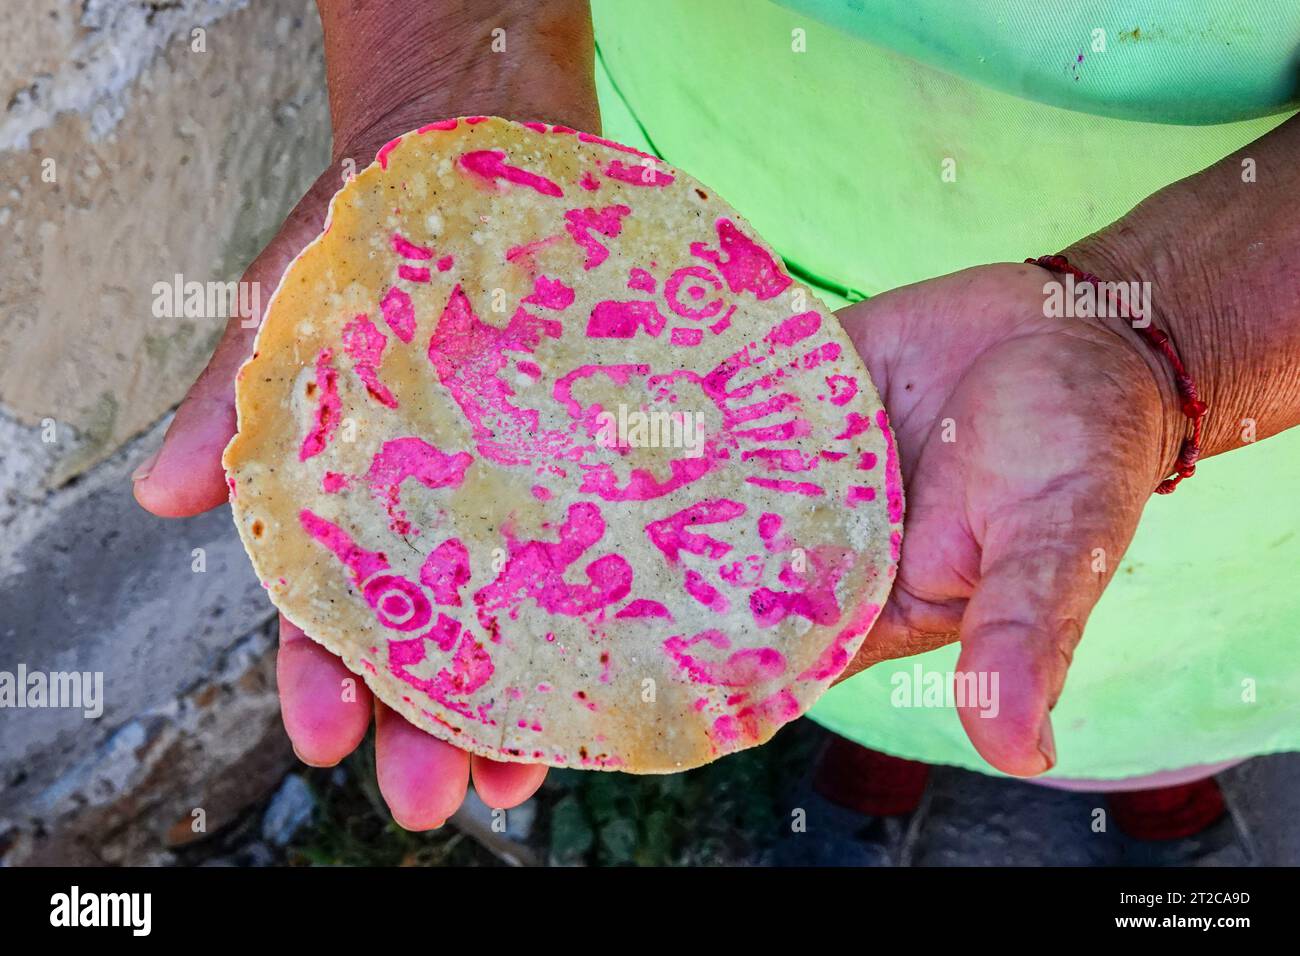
[(1192, 407)]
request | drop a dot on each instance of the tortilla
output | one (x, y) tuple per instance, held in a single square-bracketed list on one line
[(544, 443)]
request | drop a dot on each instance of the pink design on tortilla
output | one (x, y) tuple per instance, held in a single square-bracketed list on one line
[(540, 440)]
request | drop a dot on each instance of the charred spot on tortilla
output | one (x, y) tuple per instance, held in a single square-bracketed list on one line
[(542, 440)]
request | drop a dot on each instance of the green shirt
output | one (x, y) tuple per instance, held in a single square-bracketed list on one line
[(881, 142)]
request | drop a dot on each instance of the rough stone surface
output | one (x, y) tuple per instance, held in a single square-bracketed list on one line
[(1264, 793), (168, 777), (289, 811), (165, 159), (971, 819), (976, 819), (107, 587)]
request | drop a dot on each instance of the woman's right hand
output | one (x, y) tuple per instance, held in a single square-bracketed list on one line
[(392, 67)]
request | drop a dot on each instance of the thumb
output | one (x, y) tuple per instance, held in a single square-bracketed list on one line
[(1039, 580), (184, 477)]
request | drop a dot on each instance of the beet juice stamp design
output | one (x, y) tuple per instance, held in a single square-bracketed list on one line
[(545, 443)]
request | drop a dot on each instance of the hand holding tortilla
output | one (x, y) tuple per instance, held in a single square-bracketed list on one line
[(543, 442), (411, 399)]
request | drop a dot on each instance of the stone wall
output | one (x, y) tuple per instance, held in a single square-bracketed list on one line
[(139, 139)]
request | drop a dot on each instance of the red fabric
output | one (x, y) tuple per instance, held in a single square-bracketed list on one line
[(1169, 813), (868, 781)]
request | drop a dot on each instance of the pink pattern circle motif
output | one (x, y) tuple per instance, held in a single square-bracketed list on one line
[(679, 278), (398, 603)]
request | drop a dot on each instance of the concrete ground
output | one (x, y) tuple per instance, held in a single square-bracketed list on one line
[(740, 812), (969, 819)]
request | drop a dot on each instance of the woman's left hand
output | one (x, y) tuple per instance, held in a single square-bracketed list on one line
[(1029, 446)]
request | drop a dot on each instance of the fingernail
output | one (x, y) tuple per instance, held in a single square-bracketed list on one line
[(146, 466), (412, 828), (311, 763), (1047, 742)]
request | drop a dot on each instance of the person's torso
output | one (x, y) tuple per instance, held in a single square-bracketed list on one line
[(879, 143)]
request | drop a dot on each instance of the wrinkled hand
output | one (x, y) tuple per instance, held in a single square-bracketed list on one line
[(422, 778), (1029, 446)]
